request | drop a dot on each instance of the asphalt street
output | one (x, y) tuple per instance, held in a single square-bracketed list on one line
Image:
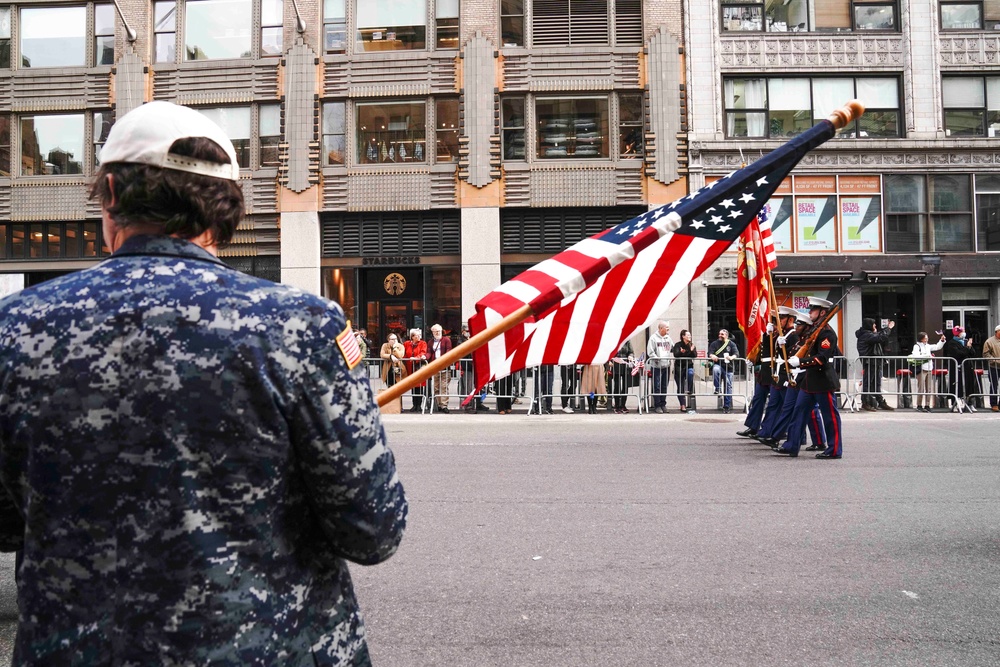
[(577, 540)]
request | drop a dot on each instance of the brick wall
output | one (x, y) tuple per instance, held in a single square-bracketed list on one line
[(481, 15)]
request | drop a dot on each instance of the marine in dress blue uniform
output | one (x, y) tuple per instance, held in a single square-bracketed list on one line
[(189, 455), (819, 384), (776, 389)]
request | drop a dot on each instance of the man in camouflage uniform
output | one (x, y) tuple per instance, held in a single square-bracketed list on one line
[(188, 454)]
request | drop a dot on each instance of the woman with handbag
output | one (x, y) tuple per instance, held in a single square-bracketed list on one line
[(392, 354), (922, 367)]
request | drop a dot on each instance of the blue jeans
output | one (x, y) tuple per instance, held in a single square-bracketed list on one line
[(661, 378), (727, 399)]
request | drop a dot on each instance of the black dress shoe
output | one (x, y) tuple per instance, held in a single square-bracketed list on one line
[(815, 448), (824, 455), (748, 433), (786, 452), (770, 442)]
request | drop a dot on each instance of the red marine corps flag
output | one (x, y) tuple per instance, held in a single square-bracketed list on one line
[(579, 306), (752, 284)]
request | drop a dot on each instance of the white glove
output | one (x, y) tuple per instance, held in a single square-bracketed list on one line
[(780, 340), (794, 362), (770, 327)]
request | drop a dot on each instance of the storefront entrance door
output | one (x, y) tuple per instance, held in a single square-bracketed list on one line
[(394, 318), (975, 321)]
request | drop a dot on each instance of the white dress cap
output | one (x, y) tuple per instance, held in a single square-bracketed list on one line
[(816, 302), (145, 135)]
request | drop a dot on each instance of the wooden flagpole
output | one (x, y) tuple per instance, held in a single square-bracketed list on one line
[(456, 353), (839, 118)]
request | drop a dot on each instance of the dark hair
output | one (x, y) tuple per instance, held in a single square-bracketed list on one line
[(683, 331), (186, 205), (922, 335), (867, 323)]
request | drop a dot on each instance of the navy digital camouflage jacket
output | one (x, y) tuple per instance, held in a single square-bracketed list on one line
[(187, 461)]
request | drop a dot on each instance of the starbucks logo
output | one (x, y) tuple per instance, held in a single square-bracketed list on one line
[(394, 284)]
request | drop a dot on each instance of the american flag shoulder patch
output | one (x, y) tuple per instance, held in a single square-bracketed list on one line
[(348, 345)]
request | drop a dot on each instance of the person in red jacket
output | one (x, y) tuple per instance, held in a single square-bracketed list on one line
[(416, 356)]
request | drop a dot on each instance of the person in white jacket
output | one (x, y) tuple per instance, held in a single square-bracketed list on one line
[(658, 360), (924, 370)]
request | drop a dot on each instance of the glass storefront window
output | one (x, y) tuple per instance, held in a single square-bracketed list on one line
[(36, 241), (444, 299), (72, 236), (90, 239), (391, 25), (215, 29), (53, 36), (339, 285), (572, 127), (52, 144), (391, 132)]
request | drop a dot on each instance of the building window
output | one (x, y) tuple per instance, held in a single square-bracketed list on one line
[(269, 134), (165, 31), (512, 119), (971, 106), (271, 27), (334, 147), (237, 123), (103, 120), (52, 144), (962, 15), (783, 107), (446, 24), (4, 37), (447, 126), (335, 26), (512, 22), (572, 127), (391, 132), (930, 213), (104, 34), (50, 240), (988, 213), (573, 22), (218, 29), (53, 36), (4, 145), (631, 125), (809, 15), (391, 25)]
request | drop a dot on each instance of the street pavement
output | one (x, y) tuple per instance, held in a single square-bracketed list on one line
[(646, 540)]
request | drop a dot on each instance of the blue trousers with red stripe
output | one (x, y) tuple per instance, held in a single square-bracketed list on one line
[(799, 418), (804, 412), (755, 413), (775, 399)]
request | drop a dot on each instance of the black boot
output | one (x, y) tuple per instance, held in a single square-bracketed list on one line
[(882, 405), (591, 405)]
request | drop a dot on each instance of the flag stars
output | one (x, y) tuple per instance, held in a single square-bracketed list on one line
[(735, 214), (746, 198), (658, 213), (724, 228), (715, 219), (727, 203), (762, 181), (697, 224), (635, 233)]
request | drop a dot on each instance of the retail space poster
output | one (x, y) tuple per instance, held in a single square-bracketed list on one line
[(800, 301), (779, 212), (817, 224)]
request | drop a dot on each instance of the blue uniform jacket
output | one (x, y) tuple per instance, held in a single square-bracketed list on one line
[(820, 376), (187, 462)]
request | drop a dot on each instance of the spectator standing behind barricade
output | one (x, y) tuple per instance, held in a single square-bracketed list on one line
[(363, 346), (923, 368), (416, 354), (392, 354), (504, 390), (466, 384), (685, 354), (723, 352), (658, 355), (871, 349), (991, 351), (438, 347), (959, 348), (621, 377), (544, 376), (592, 385), (569, 378), (188, 454)]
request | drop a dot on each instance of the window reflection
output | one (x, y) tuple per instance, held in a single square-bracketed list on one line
[(17, 237), (52, 145), (270, 134), (572, 127), (447, 130), (72, 236), (391, 132), (54, 239), (271, 27), (53, 36), (391, 25), (164, 29), (4, 145), (104, 34), (36, 241), (333, 132), (217, 29), (90, 239), (235, 121), (4, 37)]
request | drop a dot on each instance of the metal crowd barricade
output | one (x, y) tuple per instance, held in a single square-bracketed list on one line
[(981, 382), (704, 384), (898, 379)]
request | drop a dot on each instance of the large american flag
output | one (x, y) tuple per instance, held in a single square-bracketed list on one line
[(590, 298)]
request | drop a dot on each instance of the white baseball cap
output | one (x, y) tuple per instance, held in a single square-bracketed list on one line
[(145, 135)]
